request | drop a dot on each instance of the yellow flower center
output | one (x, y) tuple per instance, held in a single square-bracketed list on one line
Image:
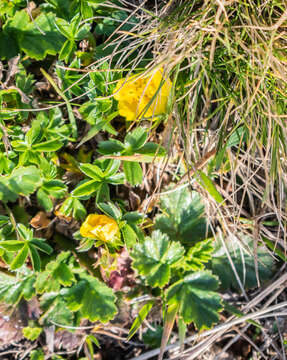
[(100, 227), (140, 97)]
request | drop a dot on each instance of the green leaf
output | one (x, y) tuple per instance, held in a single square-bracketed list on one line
[(136, 139), (55, 310), (31, 333), (198, 255), (36, 261), (20, 259), (25, 180), (92, 171), (24, 232), (183, 216), (244, 262), (155, 257), (151, 151), (143, 313), (37, 38), (92, 298), (111, 210), (69, 106), (37, 355), (73, 207), (41, 245), (55, 188), (44, 200), (210, 187), (94, 340), (110, 147), (197, 300), (48, 146), (56, 273), (86, 188), (4, 220), (13, 289), (130, 237), (12, 245), (133, 172)]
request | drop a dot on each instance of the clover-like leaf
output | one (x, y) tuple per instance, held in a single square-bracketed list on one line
[(154, 258), (197, 300)]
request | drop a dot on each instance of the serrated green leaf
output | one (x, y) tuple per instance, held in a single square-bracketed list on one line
[(136, 139), (12, 245), (86, 188), (111, 210), (56, 273), (133, 172), (130, 237), (25, 180), (31, 333), (93, 299), (20, 258), (36, 38), (13, 289), (199, 255), (41, 245), (155, 257), (197, 300), (64, 275), (56, 310), (35, 258), (183, 216), (92, 171), (44, 200)]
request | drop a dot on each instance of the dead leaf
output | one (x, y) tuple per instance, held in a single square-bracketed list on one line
[(66, 340), (12, 69), (40, 221), (11, 326)]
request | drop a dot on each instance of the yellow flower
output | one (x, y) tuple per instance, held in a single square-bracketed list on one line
[(135, 95), (100, 227)]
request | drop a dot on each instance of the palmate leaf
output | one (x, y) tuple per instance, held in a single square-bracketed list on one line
[(92, 298), (22, 181), (154, 258), (243, 261), (13, 289), (183, 217), (196, 299), (25, 35), (55, 310), (56, 273)]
